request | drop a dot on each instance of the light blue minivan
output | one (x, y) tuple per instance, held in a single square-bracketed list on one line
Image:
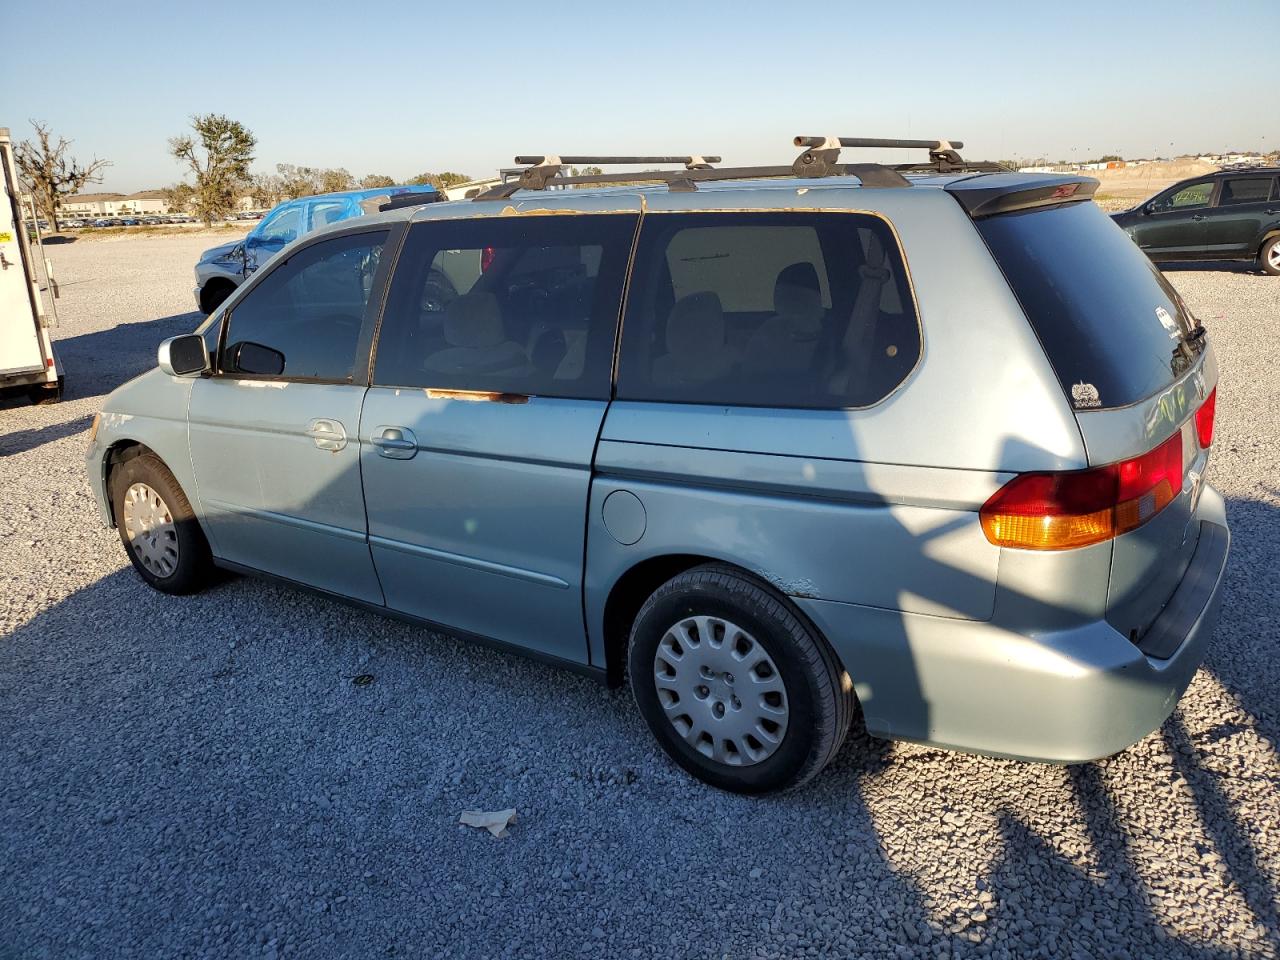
[(785, 445), (223, 268)]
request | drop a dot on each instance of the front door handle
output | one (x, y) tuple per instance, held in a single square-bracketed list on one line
[(395, 443), (327, 434)]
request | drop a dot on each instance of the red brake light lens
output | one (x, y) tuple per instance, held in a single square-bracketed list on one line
[(1059, 511), (1204, 419), (486, 259)]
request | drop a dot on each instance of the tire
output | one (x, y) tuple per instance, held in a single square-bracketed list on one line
[(1269, 257), (161, 536), (722, 619), (214, 293), (44, 394)]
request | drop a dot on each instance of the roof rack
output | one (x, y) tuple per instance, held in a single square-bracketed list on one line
[(819, 159), (539, 171)]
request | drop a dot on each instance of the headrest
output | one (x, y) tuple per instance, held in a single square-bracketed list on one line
[(796, 293), (695, 325), (474, 320)]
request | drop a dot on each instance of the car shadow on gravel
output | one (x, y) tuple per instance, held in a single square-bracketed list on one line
[(96, 363), (21, 441), (1215, 266)]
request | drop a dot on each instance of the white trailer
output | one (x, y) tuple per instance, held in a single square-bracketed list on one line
[(28, 364)]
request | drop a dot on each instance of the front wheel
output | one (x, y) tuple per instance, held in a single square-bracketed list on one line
[(737, 689), (1269, 258), (158, 528)]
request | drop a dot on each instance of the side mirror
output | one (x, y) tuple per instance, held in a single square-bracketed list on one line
[(253, 358), (184, 356)]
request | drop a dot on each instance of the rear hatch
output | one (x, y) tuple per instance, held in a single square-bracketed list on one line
[(1138, 372)]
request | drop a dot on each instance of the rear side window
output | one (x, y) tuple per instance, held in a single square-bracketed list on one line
[(520, 305), (1111, 325), (767, 309), (1250, 190), (302, 321)]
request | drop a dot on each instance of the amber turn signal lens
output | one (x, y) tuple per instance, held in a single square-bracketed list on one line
[(1059, 511)]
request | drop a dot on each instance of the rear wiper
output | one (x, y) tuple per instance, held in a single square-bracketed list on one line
[(1197, 333)]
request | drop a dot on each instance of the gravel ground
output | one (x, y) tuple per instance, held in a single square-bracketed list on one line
[(199, 777)]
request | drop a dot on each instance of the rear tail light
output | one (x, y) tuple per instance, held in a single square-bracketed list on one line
[(1058, 511), (1204, 419)]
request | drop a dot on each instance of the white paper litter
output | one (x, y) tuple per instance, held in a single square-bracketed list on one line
[(495, 821)]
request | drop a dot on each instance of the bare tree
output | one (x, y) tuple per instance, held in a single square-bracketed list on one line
[(228, 150), (265, 189), (50, 173)]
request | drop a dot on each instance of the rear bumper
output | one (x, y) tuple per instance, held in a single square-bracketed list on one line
[(1065, 696)]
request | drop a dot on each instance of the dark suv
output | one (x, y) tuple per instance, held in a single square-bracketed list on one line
[(1229, 215)]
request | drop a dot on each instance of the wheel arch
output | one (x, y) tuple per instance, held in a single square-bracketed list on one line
[(214, 285), (1267, 236), (121, 451), (634, 586)]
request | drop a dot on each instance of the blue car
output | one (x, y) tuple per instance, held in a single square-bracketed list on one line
[(223, 268)]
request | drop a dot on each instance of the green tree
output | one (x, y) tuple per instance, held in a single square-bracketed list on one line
[(376, 180), (180, 197), (428, 178), (50, 173), (451, 179), (332, 181), (218, 156)]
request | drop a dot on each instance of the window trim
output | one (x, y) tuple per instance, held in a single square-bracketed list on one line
[(785, 211), (1215, 191), (508, 397), (1271, 189), (394, 232)]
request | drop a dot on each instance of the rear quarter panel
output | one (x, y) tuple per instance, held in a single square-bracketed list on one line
[(876, 506)]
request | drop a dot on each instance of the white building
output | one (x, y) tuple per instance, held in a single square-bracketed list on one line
[(114, 204)]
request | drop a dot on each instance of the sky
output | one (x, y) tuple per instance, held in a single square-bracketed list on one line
[(399, 88)]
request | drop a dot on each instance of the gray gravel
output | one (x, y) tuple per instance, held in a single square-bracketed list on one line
[(199, 777)]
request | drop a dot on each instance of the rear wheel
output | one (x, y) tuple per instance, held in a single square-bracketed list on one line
[(158, 528), (736, 688), (1269, 258)]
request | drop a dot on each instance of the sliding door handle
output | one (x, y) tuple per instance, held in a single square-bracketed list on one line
[(395, 443)]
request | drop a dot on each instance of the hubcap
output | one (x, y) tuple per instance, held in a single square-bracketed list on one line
[(149, 526), (721, 690), (1273, 256)]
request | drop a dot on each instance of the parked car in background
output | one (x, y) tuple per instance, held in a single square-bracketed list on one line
[(223, 268), (691, 434), (1228, 215)]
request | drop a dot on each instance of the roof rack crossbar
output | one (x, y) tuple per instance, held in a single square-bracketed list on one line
[(875, 142), (692, 161), (542, 170), (870, 174)]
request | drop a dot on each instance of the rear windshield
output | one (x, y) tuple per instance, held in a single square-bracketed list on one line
[(1114, 329)]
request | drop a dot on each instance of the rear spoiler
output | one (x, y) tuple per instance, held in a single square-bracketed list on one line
[(986, 196)]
